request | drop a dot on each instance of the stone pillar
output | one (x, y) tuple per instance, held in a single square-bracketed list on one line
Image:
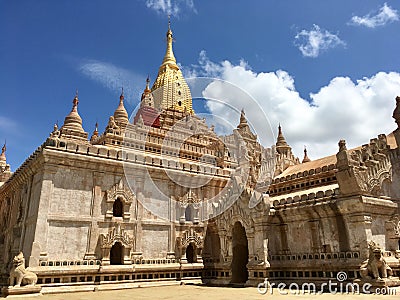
[(315, 240), (284, 242), (359, 230), (42, 202), (127, 256), (105, 261), (93, 233)]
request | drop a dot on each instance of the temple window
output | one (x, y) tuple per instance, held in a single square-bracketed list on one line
[(188, 213), (117, 208)]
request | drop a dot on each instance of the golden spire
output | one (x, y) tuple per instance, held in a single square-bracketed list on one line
[(169, 58), (170, 89)]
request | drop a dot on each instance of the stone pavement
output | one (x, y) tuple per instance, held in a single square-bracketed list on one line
[(193, 292)]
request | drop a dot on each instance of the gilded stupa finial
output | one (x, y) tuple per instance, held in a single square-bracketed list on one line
[(147, 89), (173, 90), (169, 58)]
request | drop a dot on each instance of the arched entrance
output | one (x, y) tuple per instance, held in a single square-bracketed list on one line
[(190, 253), (117, 254), (240, 254)]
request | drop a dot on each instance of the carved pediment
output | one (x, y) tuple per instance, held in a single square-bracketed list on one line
[(365, 169), (190, 236), (190, 198), (117, 234), (121, 190)]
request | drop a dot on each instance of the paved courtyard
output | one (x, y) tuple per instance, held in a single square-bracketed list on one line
[(192, 292)]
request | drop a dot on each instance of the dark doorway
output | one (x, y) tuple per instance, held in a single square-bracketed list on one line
[(117, 254), (117, 208), (190, 253), (240, 254)]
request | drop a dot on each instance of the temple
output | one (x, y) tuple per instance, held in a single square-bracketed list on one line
[(162, 198)]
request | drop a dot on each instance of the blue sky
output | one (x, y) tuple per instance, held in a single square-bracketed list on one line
[(324, 69)]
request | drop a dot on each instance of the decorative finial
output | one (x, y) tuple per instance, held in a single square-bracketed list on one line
[(3, 152), (76, 100), (121, 97), (169, 57), (169, 22), (147, 89), (306, 158), (396, 112), (342, 145), (95, 133)]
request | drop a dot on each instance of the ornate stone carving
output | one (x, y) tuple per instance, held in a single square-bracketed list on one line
[(364, 169), (19, 275), (194, 236), (396, 225), (112, 127), (190, 236), (190, 198), (117, 234), (396, 112), (120, 190), (375, 267)]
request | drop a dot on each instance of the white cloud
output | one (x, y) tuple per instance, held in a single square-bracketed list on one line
[(7, 125), (114, 78), (311, 43), (343, 109), (385, 15), (171, 7)]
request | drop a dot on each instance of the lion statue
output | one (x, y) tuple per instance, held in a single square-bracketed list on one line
[(375, 267), (19, 275)]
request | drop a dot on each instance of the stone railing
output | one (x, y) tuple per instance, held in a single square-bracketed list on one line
[(140, 158), (305, 174), (305, 199), (316, 256)]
